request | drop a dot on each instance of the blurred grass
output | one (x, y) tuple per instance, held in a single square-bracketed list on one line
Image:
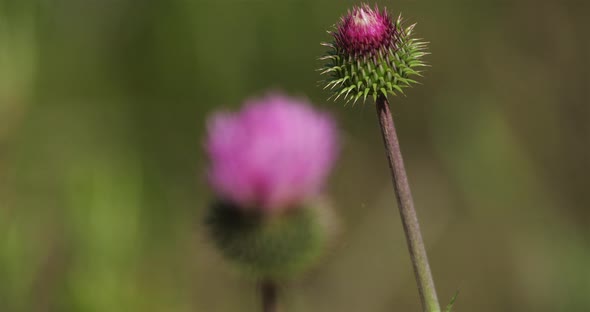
[(102, 109)]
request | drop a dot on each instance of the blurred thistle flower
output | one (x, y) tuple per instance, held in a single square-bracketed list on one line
[(268, 166), (371, 55), (273, 155)]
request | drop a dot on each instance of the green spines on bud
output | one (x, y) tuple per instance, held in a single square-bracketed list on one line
[(269, 247), (384, 65)]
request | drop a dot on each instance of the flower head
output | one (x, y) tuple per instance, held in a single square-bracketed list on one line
[(363, 31), (273, 154), (371, 55)]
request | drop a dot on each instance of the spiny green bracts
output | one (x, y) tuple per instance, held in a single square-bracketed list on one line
[(371, 55), (270, 246)]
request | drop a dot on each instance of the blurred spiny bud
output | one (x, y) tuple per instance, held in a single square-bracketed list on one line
[(268, 166), (273, 247), (371, 55)]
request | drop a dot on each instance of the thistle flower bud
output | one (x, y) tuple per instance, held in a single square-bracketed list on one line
[(271, 248), (371, 55), (269, 163)]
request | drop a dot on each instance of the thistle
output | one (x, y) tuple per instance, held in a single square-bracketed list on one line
[(371, 55), (268, 166)]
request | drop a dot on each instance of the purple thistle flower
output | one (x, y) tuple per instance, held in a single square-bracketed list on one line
[(364, 31), (274, 154), (371, 55)]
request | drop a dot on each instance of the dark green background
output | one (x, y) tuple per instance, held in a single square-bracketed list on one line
[(102, 111)]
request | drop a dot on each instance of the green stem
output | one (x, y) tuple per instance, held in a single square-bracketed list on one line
[(406, 208)]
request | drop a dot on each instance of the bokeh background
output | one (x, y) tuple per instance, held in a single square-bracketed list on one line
[(102, 116)]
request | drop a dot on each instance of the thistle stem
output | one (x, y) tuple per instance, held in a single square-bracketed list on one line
[(269, 292), (405, 202)]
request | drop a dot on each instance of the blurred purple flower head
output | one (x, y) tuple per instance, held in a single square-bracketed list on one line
[(364, 31), (273, 154)]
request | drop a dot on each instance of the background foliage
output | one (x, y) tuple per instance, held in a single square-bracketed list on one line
[(102, 108)]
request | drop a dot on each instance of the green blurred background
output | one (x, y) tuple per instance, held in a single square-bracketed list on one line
[(102, 109)]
